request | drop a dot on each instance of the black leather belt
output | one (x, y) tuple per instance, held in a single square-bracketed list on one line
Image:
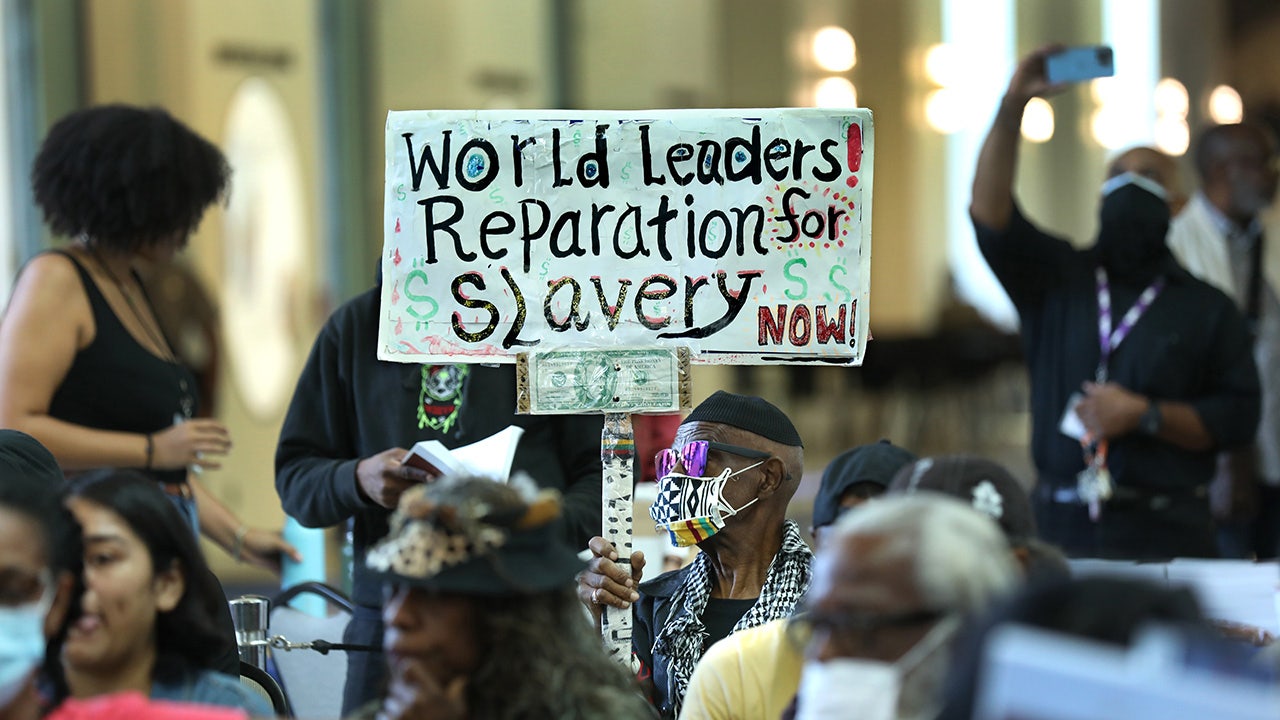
[(1146, 498), (182, 490), (1161, 499)]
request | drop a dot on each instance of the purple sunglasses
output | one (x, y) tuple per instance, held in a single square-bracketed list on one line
[(693, 456)]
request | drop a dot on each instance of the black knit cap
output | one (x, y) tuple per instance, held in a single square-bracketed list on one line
[(874, 463), (747, 412)]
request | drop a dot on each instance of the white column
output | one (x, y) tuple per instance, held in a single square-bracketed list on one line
[(981, 35), (1132, 29)]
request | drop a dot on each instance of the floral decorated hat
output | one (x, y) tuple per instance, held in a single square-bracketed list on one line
[(474, 536)]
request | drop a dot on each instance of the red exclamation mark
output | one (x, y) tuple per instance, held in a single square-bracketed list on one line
[(398, 222), (395, 258), (855, 153)]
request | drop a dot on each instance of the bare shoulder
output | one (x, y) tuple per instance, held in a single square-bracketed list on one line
[(49, 272), (49, 294)]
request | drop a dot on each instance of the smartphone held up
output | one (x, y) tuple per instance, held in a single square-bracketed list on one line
[(1075, 64)]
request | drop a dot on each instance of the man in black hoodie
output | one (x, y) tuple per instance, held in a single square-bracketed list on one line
[(1139, 372), (352, 419)]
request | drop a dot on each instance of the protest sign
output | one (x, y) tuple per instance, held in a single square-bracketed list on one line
[(743, 235)]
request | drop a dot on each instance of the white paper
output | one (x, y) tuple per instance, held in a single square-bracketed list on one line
[(491, 457)]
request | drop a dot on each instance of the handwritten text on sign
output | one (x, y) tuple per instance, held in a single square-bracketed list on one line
[(743, 234)]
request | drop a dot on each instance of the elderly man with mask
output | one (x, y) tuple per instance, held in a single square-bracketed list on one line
[(1139, 372), (890, 589), (754, 674), (724, 485)]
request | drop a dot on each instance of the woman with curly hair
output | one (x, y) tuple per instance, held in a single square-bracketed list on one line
[(482, 614), (84, 365)]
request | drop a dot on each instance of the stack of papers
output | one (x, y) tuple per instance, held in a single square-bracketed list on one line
[(1238, 591)]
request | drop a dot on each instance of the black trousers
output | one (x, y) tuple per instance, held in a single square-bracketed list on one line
[(1266, 526), (1257, 537), (366, 671), (1170, 527)]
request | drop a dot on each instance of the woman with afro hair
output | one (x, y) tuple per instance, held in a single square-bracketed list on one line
[(84, 365)]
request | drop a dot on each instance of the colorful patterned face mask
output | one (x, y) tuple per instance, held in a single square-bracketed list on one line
[(692, 508)]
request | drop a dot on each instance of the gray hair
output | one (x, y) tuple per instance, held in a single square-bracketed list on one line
[(961, 558)]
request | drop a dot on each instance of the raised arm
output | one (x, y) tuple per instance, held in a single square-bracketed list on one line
[(992, 203)]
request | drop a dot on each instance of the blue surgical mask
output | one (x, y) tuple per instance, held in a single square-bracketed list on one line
[(22, 643)]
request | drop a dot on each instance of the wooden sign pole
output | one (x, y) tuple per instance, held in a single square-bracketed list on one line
[(617, 455), (614, 382)]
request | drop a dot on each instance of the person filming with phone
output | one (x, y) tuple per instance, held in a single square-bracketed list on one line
[(1140, 373)]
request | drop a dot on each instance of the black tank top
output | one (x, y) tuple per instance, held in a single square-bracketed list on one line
[(117, 384)]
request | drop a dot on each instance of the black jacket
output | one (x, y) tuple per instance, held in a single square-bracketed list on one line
[(349, 405), (1192, 345)]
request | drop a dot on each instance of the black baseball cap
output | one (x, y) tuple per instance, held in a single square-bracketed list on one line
[(984, 484), (875, 463)]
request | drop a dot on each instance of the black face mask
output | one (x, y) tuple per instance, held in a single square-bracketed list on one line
[(1131, 240)]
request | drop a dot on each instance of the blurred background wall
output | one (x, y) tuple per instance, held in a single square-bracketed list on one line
[(296, 91)]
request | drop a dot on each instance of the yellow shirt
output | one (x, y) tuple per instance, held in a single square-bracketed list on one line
[(751, 675)]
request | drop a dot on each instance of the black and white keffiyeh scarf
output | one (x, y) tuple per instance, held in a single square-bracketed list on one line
[(683, 637)]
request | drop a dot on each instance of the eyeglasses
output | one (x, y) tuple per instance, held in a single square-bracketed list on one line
[(20, 587), (693, 456), (854, 633)]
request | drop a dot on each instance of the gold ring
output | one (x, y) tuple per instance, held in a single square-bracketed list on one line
[(595, 596)]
